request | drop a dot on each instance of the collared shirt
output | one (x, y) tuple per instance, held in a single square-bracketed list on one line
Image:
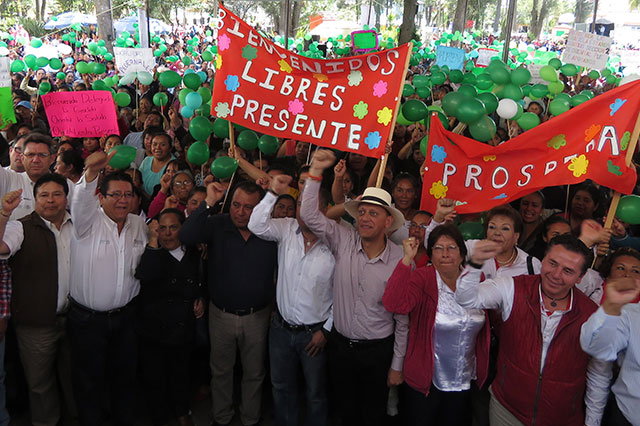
[(605, 337), (103, 261), (304, 290), (134, 139), (454, 341), (241, 272), (14, 236), (359, 282), (498, 294)]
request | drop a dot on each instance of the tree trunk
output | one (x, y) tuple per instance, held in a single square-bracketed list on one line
[(43, 9), (534, 19), (378, 9), (295, 17), (105, 23), (536, 28), (583, 9), (282, 22), (38, 17), (408, 27), (496, 21), (458, 19)]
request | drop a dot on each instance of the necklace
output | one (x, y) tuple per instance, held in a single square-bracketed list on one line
[(511, 259), (308, 242), (554, 300)]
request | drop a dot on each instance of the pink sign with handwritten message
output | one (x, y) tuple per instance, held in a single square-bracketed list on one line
[(81, 114)]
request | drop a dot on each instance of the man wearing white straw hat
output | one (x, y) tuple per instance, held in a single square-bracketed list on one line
[(367, 344)]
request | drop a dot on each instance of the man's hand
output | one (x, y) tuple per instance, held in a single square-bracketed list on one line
[(444, 207), (95, 163), (215, 193), (484, 250), (395, 378), (263, 182), (153, 233), (10, 201), (592, 233), (340, 169), (322, 160), (410, 247), (171, 202), (619, 292), (198, 308), (316, 345), (280, 184)]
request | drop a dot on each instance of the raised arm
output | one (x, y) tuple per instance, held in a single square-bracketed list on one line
[(261, 223), (337, 192), (404, 288), (198, 228), (10, 201), (253, 172)]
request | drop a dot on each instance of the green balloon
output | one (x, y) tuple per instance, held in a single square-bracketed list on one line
[(82, 67), (559, 106), (123, 99), (207, 56), (528, 121), (594, 74), (224, 167), (30, 60), (108, 57), (221, 128), (456, 76), (182, 95), (55, 63), (198, 153), (42, 62), (437, 78), (484, 129), (186, 60), (556, 87), (124, 156), (611, 79), (192, 81), (499, 75), (526, 90), (519, 113), (484, 82), (99, 85), (469, 78), (205, 94), (470, 111), (200, 128), (629, 209), (555, 63), (160, 99), (490, 102), (578, 99), (548, 73), (408, 90), (520, 76), (36, 42), (424, 143), (569, 70), (248, 140), (169, 79), (605, 72), (443, 118), (60, 76), (401, 120), (468, 90), (471, 230), (511, 91), (452, 101), (268, 144), (564, 96), (414, 110), (45, 87), (98, 68), (17, 65), (588, 93), (423, 92), (539, 90)]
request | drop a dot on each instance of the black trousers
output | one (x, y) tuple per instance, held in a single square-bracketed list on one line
[(615, 416), (437, 408), (358, 374), (165, 375), (103, 364)]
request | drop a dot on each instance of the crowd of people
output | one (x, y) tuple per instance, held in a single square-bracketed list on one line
[(298, 270)]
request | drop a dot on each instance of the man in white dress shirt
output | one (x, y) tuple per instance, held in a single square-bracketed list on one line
[(105, 250), (304, 317)]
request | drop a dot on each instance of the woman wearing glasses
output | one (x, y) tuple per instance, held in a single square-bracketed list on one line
[(174, 192), (448, 345), (417, 228)]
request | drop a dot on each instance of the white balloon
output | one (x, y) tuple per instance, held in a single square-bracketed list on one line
[(507, 108), (145, 78), (4, 51), (629, 79), (64, 49), (127, 79)]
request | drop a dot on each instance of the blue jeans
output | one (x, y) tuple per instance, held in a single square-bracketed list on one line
[(286, 351), (4, 414)]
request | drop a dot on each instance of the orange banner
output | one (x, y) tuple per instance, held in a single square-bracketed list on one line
[(587, 142), (346, 104)]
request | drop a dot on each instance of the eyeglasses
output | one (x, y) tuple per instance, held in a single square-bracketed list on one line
[(119, 195), (440, 249), (183, 183), (416, 225), (41, 155), (18, 149)]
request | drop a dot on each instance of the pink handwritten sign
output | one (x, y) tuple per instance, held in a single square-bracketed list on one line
[(81, 114)]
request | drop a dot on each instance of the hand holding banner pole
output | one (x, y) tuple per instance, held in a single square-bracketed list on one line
[(385, 157)]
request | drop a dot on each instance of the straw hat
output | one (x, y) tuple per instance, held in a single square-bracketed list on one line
[(377, 197)]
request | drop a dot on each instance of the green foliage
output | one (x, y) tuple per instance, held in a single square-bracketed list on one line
[(84, 6), (33, 27)]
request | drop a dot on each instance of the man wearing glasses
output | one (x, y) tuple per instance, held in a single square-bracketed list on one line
[(106, 247)]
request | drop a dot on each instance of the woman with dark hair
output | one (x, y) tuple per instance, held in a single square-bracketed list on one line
[(531, 208), (624, 262), (448, 345), (584, 202), (174, 191), (404, 192), (70, 165)]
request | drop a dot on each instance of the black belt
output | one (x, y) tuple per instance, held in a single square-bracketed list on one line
[(241, 312), (75, 305), (298, 328), (358, 343)]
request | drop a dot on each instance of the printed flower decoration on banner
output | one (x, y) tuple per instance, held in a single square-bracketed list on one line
[(296, 107), (249, 52), (612, 168), (438, 190), (373, 140), (624, 142), (557, 142), (380, 88), (579, 165), (355, 78), (223, 42), (591, 132), (232, 83), (384, 116), (438, 154), (321, 77), (222, 110), (616, 106), (219, 61), (500, 196), (360, 110), (284, 66), (488, 158)]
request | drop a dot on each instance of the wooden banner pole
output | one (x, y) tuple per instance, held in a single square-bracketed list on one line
[(384, 158)]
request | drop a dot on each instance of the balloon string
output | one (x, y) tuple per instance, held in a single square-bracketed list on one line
[(202, 173), (228, 190), (308, 155), (260, 158)]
